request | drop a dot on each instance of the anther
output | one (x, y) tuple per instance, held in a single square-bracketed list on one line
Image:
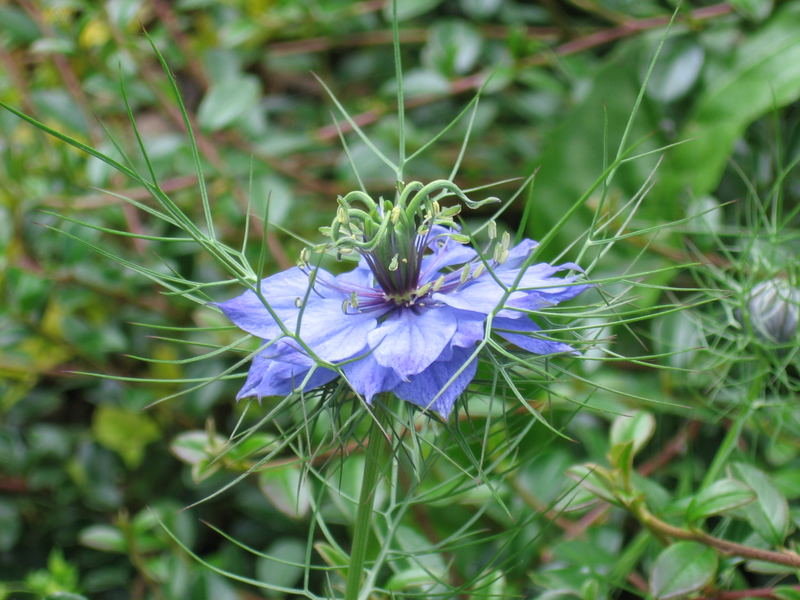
[(394, 264), (464, 274)]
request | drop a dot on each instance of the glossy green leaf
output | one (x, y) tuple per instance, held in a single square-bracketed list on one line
[(721, 496), (769, 514), (287, 490), (104, 537), (453, 47), (276, 570), (764, 74), (227, 101), (636, 428), (755, 10), (682, 568), (480, 9), (677, 70)]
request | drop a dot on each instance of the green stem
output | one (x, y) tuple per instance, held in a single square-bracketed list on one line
[(374, 458)]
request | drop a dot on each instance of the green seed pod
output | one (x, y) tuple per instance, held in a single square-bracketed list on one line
[(774, 307)]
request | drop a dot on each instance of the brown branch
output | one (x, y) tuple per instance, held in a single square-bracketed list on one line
[(743, 594), (674, 447), (204, 145), (592, 40), (384, 37), (664, 529)]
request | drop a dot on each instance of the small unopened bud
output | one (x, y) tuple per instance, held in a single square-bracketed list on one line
[(395, 215), (341, 215), (774, 307)]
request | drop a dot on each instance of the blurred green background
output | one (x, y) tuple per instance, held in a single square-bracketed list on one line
[(80, 460)]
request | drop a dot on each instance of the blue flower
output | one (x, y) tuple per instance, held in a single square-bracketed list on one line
[(405, 320)]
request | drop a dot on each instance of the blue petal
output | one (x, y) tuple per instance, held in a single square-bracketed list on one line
[(518, 254), (518, 330), (368, 378), (332, 334), (281, 290), (536, 299), (269, 376), (446, 253), (409, 342), (480, 295), (325, 328), (470, 328), (421, 389)]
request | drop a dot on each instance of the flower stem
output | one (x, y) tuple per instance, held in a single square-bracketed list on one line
[(374, 458)]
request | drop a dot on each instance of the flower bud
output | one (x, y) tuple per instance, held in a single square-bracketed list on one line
[(774, 307)]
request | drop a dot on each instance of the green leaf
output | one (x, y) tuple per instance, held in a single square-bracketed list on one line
[(453, 47), (755, 10), (10, 525), (681, 569), (480, 9), (275, 571), (764, 74), (596, 480), (677, 70), (408, 9), (17, 26), (287, 491), (636, 428), (410, 578), (769, 515), (786, 593), (192, 447), (103, 537), (125, 432), (721, 496), (226, 101)]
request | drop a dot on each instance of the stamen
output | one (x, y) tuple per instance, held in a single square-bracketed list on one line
[(464, 274), (492, 230), (437, 285), (478, 270), (393, 265)]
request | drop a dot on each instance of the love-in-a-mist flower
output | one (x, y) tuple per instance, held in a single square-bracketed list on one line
[(408, 318)]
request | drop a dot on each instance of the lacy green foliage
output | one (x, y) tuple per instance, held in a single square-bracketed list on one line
[(684, 480)]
